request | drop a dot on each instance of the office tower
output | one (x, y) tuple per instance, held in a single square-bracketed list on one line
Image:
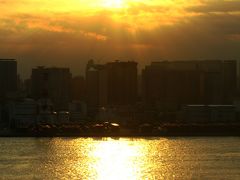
[(8, 76), (78, 89), (189, 82), (93, 85), (53, 83), (111, 84), (121, 83)]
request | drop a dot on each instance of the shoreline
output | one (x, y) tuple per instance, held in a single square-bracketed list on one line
[(163, 131), (19, 135)]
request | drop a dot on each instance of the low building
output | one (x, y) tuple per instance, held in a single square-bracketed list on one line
[(78, 112), (63, 117), (209, 114), (45, 111), (23, 114)]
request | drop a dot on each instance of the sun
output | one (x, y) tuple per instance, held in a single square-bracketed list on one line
[(114, 3)]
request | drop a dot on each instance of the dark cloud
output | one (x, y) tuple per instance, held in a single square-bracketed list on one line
[(216, 6), (57, 42), (208, 36), (71, 38)]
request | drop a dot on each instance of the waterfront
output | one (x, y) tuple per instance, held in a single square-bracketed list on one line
[(123, 158)]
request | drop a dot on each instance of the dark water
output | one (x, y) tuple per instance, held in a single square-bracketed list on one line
[(124, 158)]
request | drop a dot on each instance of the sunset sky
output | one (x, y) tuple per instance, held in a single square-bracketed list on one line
[(70, 32)]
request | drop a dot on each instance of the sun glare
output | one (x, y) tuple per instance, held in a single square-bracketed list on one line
[(114, 3), (116, 160)]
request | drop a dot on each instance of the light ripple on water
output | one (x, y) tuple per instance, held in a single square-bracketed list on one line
[(124, 158)]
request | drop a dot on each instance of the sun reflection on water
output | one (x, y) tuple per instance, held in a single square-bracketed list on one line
[(116, 160), (107, 158), (125, 159)]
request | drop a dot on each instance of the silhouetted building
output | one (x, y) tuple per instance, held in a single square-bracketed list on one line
[(28, 87), (111, 84), (8, 76), (78, 88), (53, 83), (78, 111), (174, 83), (93, 86), (208, 114), (229, 80), (121, 83)]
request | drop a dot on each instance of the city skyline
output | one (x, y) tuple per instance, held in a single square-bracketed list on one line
[(69, 33), (187, 94), (119, 89), (119, 82), (82, 73)]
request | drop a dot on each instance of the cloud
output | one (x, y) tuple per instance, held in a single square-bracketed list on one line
[(194, 29), (216, 6)]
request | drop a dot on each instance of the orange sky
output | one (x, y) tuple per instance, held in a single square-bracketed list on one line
[(70, 32)]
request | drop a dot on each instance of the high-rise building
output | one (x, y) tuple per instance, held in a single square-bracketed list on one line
[(111, 84), (8, 76), (53, 83), (189, 82), (229, 80), (121, 83), (93, 85), (78, 90)]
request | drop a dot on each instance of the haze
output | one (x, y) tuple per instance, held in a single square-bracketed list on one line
[(70, 32)]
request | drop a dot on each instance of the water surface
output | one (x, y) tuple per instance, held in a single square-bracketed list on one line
[(124, 158)]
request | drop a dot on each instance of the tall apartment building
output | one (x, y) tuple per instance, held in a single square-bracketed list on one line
[(121, 83), (8, 76), (53, 83), (189, 82), (93, 72), (111, 84), (78, 90)]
